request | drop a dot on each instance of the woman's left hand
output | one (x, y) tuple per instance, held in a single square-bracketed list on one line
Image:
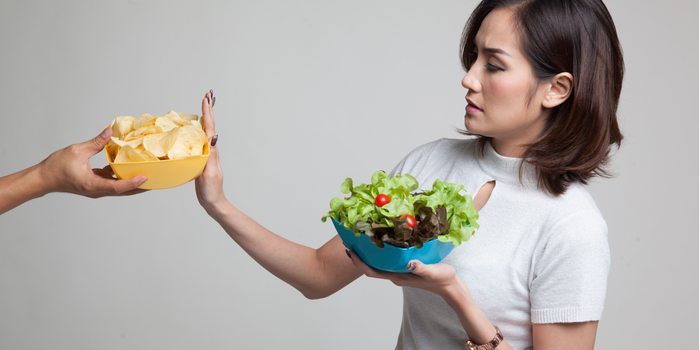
[(210, 184), (435, 278)]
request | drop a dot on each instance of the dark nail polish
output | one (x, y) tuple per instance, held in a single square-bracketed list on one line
[(213, 101), (214, 139), (412, 266), (347, 252)]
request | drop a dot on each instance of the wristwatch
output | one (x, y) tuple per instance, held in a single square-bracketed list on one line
[(488, 346)]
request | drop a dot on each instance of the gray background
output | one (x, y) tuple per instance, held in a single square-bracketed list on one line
[(308, 93)]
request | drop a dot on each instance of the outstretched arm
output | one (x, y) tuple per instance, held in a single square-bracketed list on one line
[(316, 273), (67, 170)]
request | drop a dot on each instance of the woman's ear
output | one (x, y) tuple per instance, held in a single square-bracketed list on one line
[(559, 89)]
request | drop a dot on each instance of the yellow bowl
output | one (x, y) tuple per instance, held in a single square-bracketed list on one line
[(163, 173)]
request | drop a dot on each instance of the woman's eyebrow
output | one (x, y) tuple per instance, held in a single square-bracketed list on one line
[(492, 50), (498, 51)]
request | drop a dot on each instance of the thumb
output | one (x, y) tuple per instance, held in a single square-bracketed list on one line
[(416, 267), (100, 141)]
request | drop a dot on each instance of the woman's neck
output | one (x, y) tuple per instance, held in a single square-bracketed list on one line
[(508, 148)]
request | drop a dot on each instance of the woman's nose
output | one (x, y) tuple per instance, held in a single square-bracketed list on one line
[(471, 83)]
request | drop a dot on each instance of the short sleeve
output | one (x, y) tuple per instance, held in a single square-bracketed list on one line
[(570, 276), (416, 160)]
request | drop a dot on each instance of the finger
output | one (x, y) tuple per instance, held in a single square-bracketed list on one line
[(105, 172), (208, 116), (212, 164), (99, 142), (416, 267), (133, 192), (108, 169), (113, 186)]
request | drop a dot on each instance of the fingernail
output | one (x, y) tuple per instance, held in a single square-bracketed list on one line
[(104, 133), (347, 252), (141, 182), (411, 266), (214, 139), (213, 101), (211, 92)]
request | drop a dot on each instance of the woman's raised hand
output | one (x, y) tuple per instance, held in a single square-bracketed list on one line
[(210, 184)]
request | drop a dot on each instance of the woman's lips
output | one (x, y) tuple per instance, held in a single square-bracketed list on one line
[(472, 108)]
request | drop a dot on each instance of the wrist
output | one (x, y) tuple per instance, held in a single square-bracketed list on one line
[(39, 181), (478, 327), (219, 209), (457, 295)]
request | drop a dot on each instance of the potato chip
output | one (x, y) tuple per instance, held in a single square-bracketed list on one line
[(134, 142), (197, 124), (146, 154), (122, 126), (168, 140), (189, 143), (152, 144), (147, 130), (172, 115), (182, 122), (188, 116), (128, 154), (144, 120), (166, 124)]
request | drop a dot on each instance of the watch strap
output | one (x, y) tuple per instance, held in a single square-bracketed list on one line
[(488, 346)]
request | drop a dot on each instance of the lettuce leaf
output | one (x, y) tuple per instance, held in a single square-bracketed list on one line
[(442, 212)]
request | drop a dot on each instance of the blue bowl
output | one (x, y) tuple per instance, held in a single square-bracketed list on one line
[(392, 258)]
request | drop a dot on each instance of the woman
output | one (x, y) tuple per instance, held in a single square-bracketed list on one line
[(543, 80)]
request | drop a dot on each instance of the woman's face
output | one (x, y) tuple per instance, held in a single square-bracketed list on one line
[(500, 100)]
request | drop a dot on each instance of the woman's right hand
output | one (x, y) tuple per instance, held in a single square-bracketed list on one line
[(210, 184)]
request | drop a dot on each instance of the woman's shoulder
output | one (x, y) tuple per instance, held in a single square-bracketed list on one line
[(437, 153), (576, 211), (445, 148)]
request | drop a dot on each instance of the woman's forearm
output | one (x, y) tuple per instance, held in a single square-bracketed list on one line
[(316, 273), (478, 327)]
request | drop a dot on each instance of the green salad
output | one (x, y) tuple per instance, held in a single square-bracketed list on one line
[(389, 211)]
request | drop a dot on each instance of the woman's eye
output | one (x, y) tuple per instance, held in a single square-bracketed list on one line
[(494, 68)]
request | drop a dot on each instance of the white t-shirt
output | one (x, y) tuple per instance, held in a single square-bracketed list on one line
[(536, 258)]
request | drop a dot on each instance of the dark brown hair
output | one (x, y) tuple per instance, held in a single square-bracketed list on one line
[(579, 37)]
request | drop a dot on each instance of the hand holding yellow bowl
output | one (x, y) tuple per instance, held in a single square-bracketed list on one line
[(171, 149)]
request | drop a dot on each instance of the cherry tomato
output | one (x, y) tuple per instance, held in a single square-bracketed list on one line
[(410, 220), (381, 200)]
